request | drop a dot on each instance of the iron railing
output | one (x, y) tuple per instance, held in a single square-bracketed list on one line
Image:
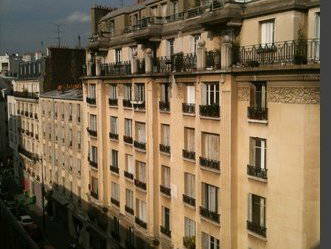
[(92, 132), (113, 136), (257, 172), (127, 103), (140, 184), (91, 101), (189, 200), (165, 230), (210, 110), (128, 175), (92, 163), (209, 163), (257, 228), (213, 59), (139, 145), (127, 139), (118, 68), (164, 106), (189, 154), (210, 214), (141, 223), (114, 169), (114, 201), (165, 148), (188, 108), (184, 62), (113, 102), (165, 190), (257, 113), (129, 210)]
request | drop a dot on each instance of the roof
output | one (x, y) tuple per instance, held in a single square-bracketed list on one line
[(68, 94)]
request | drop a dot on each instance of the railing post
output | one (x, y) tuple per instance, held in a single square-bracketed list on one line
[(201, 55), (134, 63), (148, 61), (88, 69), (98, 67), (226, 52)]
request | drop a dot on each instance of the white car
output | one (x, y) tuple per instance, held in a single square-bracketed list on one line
[(25, 220)]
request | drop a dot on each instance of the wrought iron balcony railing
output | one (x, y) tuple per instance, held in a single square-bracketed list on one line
[(141, 223), (188, 108), (257, 172), (213, 216), (139, 106), (94, 195), (114, 169), (93, 163), (128, 175), (127, 103), (209, 163), (140, 184), (164, 106), (285, 52), (165, 148), (129, 210), (184, 62), (213, 59), (258, 113), (139, 145), (113, 136), (92, 132), (210, 110), (189, 154), (91, 101), (257, 228), (165, 190), (166, 231), (127, 139), (119, 68), (115, 202), (189, 200), (113, 102)]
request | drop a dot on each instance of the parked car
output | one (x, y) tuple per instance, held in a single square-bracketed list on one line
[(25, 220)]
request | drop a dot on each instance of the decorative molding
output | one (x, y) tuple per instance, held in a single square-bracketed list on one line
[(243, 93), (294, 95)]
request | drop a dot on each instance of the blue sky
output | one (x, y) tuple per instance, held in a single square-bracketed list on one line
[(24, 24)]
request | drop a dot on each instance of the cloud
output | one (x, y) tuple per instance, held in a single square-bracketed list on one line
[(77, 17)]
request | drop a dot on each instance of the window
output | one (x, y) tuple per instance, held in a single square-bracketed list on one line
[(210, 94), (165, 176), (115, 191), (94, 185), (139, 92), (209, 197), (258, 94), (165, 134), (118, 52), (141, 210), (257, 156), (112, 92), (166, 218), (256, 213), (114, 158), (170, 48), (140, 132), (209, 242), (91, 91), (113, 125), (267, 32), (189, 182), (129, 163), (141, 171), (189, 227), (210, 146), (94, 154), (165, 92), (194, 43), (127, 91), (317, 25), (128, 127), (129, 198), (93, 122), (190, 94), (189, 140)]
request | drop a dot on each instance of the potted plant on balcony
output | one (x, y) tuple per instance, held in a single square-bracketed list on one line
[(300, 49)]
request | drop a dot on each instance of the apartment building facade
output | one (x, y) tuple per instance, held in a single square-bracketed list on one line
[(202, 124)]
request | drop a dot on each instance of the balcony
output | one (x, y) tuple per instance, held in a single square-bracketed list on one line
[(127, 139), (128, 175), (210, 164), (213, 216), (129, 210), (115, 202), (93, 163), (114, 169), (113, 102), (166, 231), (139, 145), (295, 52), (165, 190), (118, 68), (140, 184), (189, 200), (92, 132), (141, 223), (164, 106), (113, 136), (212, 111), (94, 195), (189, 242), (127, 103), (27, 95), (257, 228), (139, 105), (189, 155), (91, 101), (257, 172), (257, 113), (213, 60), (188, 108), (165, 148), (184, 62)]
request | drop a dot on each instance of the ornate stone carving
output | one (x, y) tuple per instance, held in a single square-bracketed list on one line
[(243, 94), (294, 95)]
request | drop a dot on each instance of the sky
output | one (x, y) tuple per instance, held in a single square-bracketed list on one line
[(26, 24)]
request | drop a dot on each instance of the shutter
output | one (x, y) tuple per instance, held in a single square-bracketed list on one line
[(252, 95), (262, 211), (263, 154), (263, 96), (263, 33), (249, 207), (205, 241), (252, 144), (190, 94)]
